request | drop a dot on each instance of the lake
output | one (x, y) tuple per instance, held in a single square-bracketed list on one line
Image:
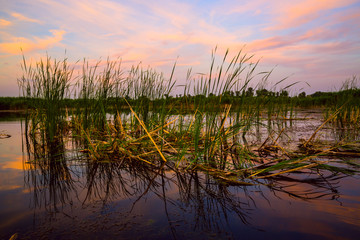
[(74, 198)]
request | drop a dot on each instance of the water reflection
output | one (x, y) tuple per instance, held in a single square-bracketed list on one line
[(112, 181), (48, 175), (127, 199), (307, 185), (192, 201), (209, 199)]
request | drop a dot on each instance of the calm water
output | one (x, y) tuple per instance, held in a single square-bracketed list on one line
[(77, 199)]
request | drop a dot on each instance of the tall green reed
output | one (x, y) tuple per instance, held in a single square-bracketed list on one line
[(211, 130), (206, 132), (46, 84)]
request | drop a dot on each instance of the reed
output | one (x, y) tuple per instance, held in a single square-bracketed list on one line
[(132, 116), (46, 85)]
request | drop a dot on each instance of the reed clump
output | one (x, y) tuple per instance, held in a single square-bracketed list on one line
[(131, 116), (46, 85)]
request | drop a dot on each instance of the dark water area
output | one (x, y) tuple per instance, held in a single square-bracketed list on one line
[(73, 198)]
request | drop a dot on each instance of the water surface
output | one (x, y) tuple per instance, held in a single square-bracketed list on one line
[(74, 199)]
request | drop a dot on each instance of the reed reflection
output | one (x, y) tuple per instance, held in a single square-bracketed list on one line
[(191, 199), (307, 185), (47, 174), (210, 202), (111, 181)]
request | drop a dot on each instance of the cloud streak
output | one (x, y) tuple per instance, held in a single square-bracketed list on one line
[(21, 17), (296, 13)]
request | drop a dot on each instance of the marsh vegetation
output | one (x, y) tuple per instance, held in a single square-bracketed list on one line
[(133, 117), (225, 139)]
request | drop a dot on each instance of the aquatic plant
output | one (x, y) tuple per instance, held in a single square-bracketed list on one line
[(120, 116), (46, 85)]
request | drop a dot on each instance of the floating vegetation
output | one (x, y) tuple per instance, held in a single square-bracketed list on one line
[(4, 135)]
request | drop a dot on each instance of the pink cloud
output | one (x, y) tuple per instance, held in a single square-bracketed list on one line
[(351, 16), (246, 7), (291, 15), (313, 35)]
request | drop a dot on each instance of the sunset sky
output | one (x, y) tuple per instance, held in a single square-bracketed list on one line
[(313, 41)]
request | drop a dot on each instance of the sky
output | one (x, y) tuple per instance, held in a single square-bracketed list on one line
[(313, 42)]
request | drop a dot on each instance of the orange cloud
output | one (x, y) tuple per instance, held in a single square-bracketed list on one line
[(28, 45), (4, 22), (23, 18)]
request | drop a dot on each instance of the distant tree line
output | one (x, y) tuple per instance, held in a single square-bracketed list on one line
[(248, 96)]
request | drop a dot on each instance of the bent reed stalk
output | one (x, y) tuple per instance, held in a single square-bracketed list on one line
[(132, 116)]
